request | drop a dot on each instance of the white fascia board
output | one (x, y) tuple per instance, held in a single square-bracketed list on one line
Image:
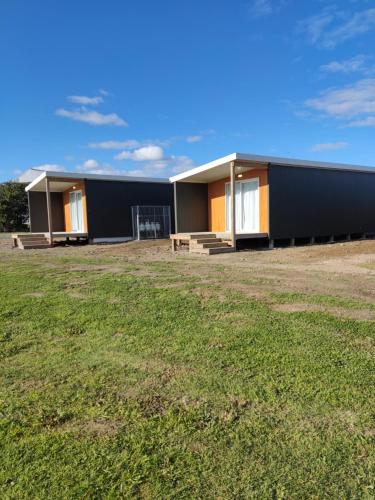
[(36, 181), (80, 176), (203, 168), (100, 177)]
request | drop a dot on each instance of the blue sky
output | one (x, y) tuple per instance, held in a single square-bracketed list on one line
[(154, 88)]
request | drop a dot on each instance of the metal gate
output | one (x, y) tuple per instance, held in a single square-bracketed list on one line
[(151, 222)]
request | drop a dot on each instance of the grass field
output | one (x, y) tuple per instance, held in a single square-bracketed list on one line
[(129, 372)]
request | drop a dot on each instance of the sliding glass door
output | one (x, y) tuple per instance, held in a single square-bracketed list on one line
[(247, 206), (76, 214)]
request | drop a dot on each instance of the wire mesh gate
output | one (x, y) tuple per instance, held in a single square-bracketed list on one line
[(151, 222)]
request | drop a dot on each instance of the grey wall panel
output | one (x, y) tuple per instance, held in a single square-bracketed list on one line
[(307, 202), (191, 207), (109, 205), (38, 212)]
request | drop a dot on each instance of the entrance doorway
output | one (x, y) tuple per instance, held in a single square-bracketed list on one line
[(247, 206), (76, 214)]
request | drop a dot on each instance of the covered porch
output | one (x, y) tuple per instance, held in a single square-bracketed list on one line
[(57, 208), (225, 201)]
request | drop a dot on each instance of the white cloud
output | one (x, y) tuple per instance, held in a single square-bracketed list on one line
[(358, 24), (103, 92), (314, 26), (332, 27), (50, 167), (92, 166), (138, 172), (357, 63), (180, 164), (84, 100), (129, 144), (365, 122), (357, 100), (329, 146), (145, 153), (261, 8), (193, 138), (91, 117), (163, 168)]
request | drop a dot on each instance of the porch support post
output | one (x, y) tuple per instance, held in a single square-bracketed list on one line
[(233, 203), (49, 212)]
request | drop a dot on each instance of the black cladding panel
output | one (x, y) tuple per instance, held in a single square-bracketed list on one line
[(109, 205), (38, 212), (191, 205), (307, 202)]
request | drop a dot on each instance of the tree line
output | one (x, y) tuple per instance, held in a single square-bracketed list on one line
[(14, 210)]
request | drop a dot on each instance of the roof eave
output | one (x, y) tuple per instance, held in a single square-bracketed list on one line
[(36, 181)]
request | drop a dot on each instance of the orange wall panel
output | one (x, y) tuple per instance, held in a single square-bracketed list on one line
[(216, 200), (79, 186)]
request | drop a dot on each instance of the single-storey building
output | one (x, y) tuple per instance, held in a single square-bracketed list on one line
[(99, 208), (247, 197)]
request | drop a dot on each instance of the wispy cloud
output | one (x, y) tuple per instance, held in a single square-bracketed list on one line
[(164, 168), (84, 100), (128, 144), (50, 167), (145, 153), (365, 122), (194, 138), (353, 65), (356, 101), (92, 166), (180, 164), (262, 8), (92, 117), (331, 27), (329, 146), (352, 100), (314, 26)]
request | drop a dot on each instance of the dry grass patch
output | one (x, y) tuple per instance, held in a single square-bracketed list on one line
[(296, 307)]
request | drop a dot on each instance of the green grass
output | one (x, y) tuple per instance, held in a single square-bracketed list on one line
[(118, 385)]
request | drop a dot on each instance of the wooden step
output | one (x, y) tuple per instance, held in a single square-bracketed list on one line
[(212, 251), (34, 245), (215, 244), (32, 240), (206, 240), (200, 236)]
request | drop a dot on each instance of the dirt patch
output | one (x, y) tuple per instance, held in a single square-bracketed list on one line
[(96, 428), (342, 270), (76, 295), (108, 268), (357, 314), (249, 291), (154, 404), (34, 294), (114, 300)]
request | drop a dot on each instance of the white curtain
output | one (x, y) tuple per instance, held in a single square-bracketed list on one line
[(247, 206)]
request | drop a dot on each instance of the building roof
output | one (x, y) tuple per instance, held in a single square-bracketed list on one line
[(219, 168), (60, 181)]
